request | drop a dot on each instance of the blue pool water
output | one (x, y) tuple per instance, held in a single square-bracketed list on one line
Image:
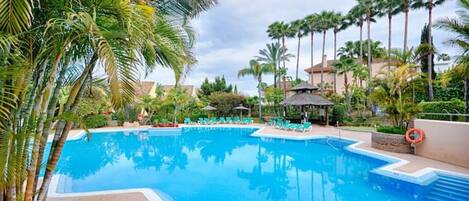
[(207, 164)]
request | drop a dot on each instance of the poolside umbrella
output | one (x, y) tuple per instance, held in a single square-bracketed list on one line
[(241, 108), (209, 108)]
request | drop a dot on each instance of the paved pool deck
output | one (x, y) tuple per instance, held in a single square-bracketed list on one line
[(415, 164)]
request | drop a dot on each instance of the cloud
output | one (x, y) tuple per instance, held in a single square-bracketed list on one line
[(231, 33)]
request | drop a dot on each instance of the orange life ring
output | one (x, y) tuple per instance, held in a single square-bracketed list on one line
[(412, 139)]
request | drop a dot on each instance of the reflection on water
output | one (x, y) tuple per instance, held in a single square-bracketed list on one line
[(225, 164)]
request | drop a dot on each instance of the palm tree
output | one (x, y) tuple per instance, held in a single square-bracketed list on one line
[(274, 32), (459, 27), (339, 24), (281, 30), (274, 54), (350, 49), (312, 25), (356, 16), (133, 34), (257, 69), (406, 6), (368, 7), (389, 8), (325, 23), (298, 27), (429, 5), (343, 66)]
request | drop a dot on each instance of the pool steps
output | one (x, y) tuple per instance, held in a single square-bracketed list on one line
[(449, 188)]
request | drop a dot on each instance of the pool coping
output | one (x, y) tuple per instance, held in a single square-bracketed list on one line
[(421, 177)]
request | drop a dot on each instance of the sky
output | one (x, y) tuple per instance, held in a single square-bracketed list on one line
[(233, 32)]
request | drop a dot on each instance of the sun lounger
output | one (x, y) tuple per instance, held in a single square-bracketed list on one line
[(304, 127), (236, 120), (187, 120), (222, 120)]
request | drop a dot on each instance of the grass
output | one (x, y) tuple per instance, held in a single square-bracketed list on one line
[(358, 128)]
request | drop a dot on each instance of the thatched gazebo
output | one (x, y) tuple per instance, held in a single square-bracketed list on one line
[(305, 96)]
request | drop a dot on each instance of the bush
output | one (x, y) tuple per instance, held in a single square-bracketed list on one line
[(339, 113), (391, 130), (95, 121), (453, 106)]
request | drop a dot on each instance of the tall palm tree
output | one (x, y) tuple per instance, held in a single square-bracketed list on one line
[(343, 66), (369, 7), (339, 24), (325, 23), (405, 7), (273, 31), (298, 27), (312, 25), (257, 69), (274, 54), (282, 30), (429, 5), (356, 16), (459, 27), (389, 8)]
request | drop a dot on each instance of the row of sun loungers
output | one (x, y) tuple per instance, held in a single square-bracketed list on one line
[(287, 125), (221, 120)]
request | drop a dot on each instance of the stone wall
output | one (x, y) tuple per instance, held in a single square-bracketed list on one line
[(390, 142)]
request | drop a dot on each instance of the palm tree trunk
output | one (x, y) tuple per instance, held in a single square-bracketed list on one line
[(389, 40), (298, 57), (466, 97), (312, 56), (429, 57), (335, 58), (64, 128), (283, 45), (368, 24), (361, 41), (406, 22), (46, 94), (259, 91), (277, 64), (323, 62)]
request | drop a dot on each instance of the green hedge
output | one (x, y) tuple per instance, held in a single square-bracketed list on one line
[(440, 107), (391, 130), (95, 121)]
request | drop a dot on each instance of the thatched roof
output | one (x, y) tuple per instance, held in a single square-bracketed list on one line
[(304, 86), (299, 99)]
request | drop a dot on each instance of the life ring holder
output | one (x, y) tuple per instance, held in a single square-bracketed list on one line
[(409, 138)]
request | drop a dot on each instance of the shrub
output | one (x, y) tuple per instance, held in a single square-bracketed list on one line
[(453, 106), (339, 113), (391, 130), (95, 121)]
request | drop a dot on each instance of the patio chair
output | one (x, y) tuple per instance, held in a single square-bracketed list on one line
[(187, 120), (200, 121), (236, 120), (286, 125), (222, 120), (228, 120), (278, 124), (206, 121), (271, 122), (213, 120), (304, 127)]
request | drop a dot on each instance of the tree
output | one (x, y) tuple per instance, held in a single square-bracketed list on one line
[(389, 8), (342, 67), (368, 7), (62, 46), (280, 30), (339, 24), (325, 23), (429, 5), (424, 45), (393, 91), (257, 69), (298, 27), (273, 54), (225, 102), (459, 27), (274, 96), (312, 23), (218, 85), (406, 6)]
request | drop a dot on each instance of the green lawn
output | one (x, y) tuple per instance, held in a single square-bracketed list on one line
[(358, 129)]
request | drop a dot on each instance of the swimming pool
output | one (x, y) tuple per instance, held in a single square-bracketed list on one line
[(215, 163)]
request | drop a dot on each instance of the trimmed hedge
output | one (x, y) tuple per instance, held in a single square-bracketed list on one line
[(391, 130), (95, 121), (440, 107)]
